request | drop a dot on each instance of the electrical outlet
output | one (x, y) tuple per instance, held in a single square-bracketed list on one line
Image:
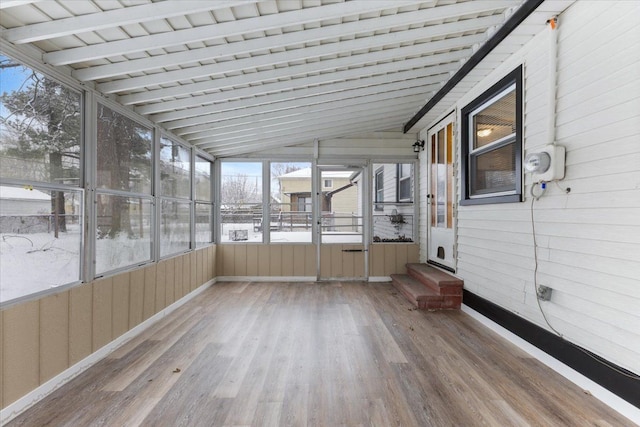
[(544, 293)]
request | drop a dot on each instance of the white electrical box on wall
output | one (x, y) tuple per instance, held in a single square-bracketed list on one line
[(547, 164)]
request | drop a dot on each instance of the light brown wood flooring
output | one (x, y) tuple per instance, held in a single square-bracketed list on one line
[(318, 354)]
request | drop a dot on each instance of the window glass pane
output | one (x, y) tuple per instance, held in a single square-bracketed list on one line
[(124, 153), (291, 216), (204, 224), (494, 171), (123, 231), (393, 221), (203, 179), (496, 121), (175, 220), (341, 214), (241, 201), (175, 169), (40, 242), (40, 126)]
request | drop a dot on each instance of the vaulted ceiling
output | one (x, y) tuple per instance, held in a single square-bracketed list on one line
[(236, 76)]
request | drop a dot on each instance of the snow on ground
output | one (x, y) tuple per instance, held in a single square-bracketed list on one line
[(35, 262)]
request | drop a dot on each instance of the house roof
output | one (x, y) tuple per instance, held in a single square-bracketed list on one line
[(306, 173), (236, 76)]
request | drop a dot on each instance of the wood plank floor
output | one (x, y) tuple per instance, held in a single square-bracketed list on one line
[(317, 354)]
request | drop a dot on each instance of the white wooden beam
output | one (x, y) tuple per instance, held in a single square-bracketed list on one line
[(302, 69), (113, 18), (219, 30), (5, 4), (293, 38), (220, 68)]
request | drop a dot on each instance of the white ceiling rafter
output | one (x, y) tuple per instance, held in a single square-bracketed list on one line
[(220, 30), (292, 38), (6, 4), (112, 18), (299, 54)]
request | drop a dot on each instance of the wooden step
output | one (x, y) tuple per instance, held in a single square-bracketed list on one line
[(437, 280), (422, 297)]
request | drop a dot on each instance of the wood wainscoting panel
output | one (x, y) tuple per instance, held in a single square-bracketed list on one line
[(54, 335), (121, 292), (136, 297), (161, 286), (178, 275), (21, 350), (149, 300), (80, 321), (170, 281), (102, 312)]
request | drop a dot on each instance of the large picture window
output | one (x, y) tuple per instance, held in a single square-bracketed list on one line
[(204, 207), (492, 144), (393, 208)]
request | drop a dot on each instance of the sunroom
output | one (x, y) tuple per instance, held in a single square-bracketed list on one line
[(218, 213)]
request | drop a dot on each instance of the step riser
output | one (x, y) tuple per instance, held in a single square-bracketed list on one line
[(427, 302), (441, 291)]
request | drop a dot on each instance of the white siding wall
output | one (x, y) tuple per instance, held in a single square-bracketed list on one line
[(588, 240)]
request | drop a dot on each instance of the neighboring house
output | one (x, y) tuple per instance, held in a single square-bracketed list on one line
[(23, 210), (339, 195)]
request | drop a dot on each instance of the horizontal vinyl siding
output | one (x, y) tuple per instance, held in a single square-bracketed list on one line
[(588, 240)]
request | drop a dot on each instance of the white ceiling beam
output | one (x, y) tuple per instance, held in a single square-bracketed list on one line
[(315, 67), (256, 122), (219, 30), (259, 113), (395, 70), (5, 4), (294, 38), (112, 18), (173, 118), (300, 54)]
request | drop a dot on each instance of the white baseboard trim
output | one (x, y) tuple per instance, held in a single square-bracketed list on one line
[(34, 396), (266, 278), (608, 398)]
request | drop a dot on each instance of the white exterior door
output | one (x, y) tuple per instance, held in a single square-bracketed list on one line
[(441, 194)]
